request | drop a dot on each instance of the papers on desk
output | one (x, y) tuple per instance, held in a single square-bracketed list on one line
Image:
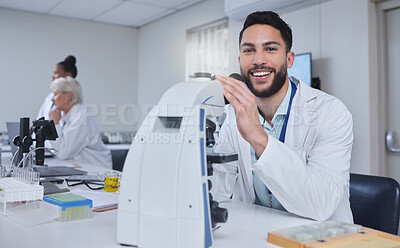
[(101, 200)]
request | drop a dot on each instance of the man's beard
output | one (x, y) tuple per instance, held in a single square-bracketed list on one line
[(277, 83)]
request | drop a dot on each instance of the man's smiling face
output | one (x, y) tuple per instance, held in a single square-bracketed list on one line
[(263, 60)]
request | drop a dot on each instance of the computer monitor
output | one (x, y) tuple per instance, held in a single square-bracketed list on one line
[(301, 68)]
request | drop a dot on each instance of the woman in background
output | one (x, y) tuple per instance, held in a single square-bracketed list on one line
[(79, 138), (63, 69)]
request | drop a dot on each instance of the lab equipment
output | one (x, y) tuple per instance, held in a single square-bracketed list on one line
[(332, 234), (51, 180), (19, 184), (320, 231), (218, 215), (164, 192), (111, 181), (23, 141), (71, 206), (13, 189), (43, 129), (3, 171), (25, 175), (236, 76), (33, 213)]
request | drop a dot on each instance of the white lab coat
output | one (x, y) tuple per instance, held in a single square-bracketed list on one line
[(46, 107), (309, 173), (79, 139)]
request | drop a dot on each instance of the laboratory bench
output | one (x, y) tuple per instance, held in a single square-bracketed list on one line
[(247, 226)]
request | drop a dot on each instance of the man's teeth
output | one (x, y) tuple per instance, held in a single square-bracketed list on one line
[(261, 74)]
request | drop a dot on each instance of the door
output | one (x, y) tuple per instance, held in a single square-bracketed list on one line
[(392, 20)]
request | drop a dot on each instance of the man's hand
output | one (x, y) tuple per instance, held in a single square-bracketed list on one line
[(55, 115), (245, 104)]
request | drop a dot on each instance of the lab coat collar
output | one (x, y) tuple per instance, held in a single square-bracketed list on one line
[(66, 117), (303, 113), (77, 112)]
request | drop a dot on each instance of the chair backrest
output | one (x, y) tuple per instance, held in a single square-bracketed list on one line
[(118, 159), (375, 202)]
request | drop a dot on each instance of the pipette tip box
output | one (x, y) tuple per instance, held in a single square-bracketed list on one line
[(71, 206)]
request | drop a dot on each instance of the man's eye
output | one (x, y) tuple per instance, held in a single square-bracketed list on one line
[(248, 50), (271, 49)]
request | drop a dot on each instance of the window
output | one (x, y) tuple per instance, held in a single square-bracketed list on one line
[(207, 49)]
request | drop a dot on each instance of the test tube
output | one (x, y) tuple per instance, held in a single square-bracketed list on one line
[(3, 171), (36, 178)]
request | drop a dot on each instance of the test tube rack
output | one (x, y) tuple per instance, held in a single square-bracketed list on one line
[(15, 190)]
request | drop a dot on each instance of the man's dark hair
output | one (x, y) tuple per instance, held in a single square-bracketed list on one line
[(68, 65), (272, 19)]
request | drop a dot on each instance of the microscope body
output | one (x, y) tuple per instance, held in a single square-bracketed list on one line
[(43, 130), (164, 197)]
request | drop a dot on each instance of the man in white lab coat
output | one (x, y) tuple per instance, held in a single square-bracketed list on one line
[(294, 142)]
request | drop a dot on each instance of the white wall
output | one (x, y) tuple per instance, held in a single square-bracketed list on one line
[(162, 49), (336, 32), (31, 44), (340, 50)]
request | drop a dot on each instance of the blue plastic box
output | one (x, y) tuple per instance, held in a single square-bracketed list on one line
[(72, 207)]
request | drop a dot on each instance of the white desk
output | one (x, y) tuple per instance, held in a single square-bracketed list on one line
[(247, 226)]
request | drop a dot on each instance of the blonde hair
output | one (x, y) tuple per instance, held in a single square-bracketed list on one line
[(68, 84)]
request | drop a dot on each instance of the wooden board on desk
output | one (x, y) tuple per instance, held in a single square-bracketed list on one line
[(368, 238)]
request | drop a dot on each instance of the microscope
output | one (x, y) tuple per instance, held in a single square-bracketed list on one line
[(164, 198), (43, 129)]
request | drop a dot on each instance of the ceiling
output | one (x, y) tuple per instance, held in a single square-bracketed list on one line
[(131, 13)]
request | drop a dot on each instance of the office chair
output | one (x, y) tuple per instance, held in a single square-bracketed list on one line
[(118, 159), (375, 202)]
